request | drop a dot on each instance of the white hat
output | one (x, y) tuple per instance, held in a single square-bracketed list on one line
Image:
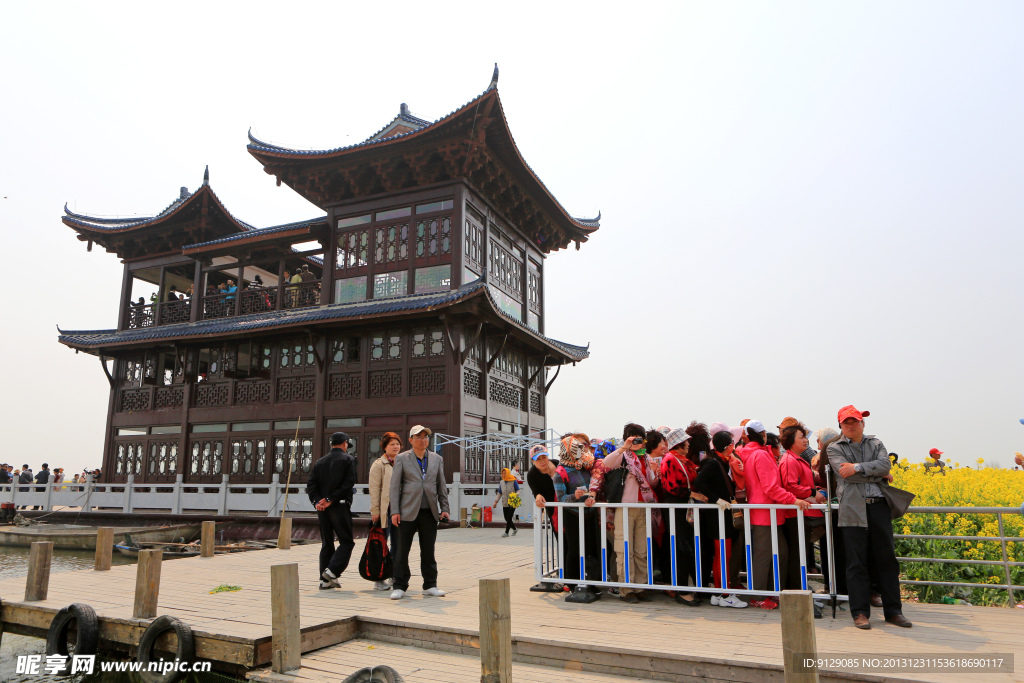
[(756, 425), (417, 429)]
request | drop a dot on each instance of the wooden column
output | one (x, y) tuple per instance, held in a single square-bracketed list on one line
[(159, 295), (798, 639), (279, 304), (284, 534), (330, 245), (495, 631), (38, 581), (147, 584), (238, 292), (104, 548), (286, 638), (198, 290), (207, 539), (126, 295)]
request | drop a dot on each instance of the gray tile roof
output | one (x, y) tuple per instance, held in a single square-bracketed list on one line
[(94, 339)]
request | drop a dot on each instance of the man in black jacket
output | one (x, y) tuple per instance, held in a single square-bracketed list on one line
[(330, 491)]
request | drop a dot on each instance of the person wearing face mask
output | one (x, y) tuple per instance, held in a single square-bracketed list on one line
[(380, 491)]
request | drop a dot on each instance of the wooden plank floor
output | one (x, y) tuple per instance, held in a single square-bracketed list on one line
[(465, 556)]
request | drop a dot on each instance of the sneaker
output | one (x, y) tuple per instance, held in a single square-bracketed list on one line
[(328, 585), (630, 598), (505, 535), (642, 596), (715, 599), (731, 601), (328, 575), (434, 592), (380, 586), (397, 594), (515, 531)]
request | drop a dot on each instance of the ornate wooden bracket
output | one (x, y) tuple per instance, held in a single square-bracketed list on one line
[(315, 343), (472, 344), (533, 378), (451, 339), (546, 388), (103, 362), (497, 353)]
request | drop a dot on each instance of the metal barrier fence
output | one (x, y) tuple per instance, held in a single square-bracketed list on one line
[(550, 560)]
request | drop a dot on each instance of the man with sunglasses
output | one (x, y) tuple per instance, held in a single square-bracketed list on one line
[(419, 493)]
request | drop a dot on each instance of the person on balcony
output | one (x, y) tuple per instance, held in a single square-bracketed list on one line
[(230, 289), (172, 294)]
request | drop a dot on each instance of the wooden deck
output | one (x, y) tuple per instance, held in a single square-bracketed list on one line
[(434, 639)]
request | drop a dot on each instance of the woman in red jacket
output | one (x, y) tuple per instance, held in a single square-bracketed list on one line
[(798, 479), (764, 486)]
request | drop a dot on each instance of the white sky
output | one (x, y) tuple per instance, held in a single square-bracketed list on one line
[(804, 204)]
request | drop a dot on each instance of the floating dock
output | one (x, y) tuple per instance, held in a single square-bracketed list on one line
[(436, 639)]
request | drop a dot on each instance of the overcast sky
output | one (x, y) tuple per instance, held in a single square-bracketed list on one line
[(804, 205)]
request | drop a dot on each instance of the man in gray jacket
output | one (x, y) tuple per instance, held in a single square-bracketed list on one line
[(419, 495), (865, 519)]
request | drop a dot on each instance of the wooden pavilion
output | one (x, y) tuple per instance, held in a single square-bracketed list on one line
[(415, 297)]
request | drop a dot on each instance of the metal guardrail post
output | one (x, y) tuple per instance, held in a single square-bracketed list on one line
[(222, 508), (1006, 561), (538, 539), (176, 505), (127, 505), (49, 491)]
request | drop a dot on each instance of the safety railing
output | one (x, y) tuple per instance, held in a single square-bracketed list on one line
[(550, 557), (550, 560)]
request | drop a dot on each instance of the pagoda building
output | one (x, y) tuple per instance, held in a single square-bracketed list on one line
[(415, 296)]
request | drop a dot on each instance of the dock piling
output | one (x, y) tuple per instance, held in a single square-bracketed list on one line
[(104, 548), (284, 534), (286, 638), (147, 584), (38, 581), (495, 631), (207, 539), (798, 635)]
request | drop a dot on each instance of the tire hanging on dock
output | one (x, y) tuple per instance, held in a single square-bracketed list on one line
[(185, 654), (88, 636), (375, 674)]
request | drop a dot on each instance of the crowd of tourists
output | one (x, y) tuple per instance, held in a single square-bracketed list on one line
[(11, 475), (722, 465)]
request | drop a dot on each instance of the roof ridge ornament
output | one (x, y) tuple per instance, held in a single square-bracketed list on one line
[(182, 196), (206, 175), (403, 109), (494, 79)]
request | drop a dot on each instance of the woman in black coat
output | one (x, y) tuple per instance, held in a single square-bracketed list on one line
[(714, 482)]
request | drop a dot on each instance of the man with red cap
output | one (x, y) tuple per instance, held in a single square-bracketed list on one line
[(865, 519), (933, 464)]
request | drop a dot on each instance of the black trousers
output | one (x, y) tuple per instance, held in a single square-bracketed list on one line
[(336, 520), (686, 572), (426, 526), (840, 553), (871, 554), (509, 513)]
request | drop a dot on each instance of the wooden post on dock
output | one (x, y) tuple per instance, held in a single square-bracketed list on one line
[(798, 639), (38, 581), (147, 584), (104, 548), (286, 638), (284, 534), (207, 539), (495, 631)]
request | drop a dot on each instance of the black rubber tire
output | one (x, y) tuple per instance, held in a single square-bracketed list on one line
[(186, 648), (87, 640), (375, 674)]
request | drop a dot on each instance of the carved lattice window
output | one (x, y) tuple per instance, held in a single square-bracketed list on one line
[(505, 269), (386, 346), (433, 236), (132, 373), (296, 355), (353, 249), (474, 243), (427, 342), (284, 452), (306, 454), (533, 284), (391, 243), (345, 350)]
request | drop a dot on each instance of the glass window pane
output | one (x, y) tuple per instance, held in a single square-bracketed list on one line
[(200, 429), (294, 424), (250, 427), (337, 422), (353, 220), (166, 429), (394, 213), (433, 279), (131, 431), (390, 284), (349, 289), (434, 206)]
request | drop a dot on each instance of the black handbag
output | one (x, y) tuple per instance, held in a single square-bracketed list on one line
[(615, 482)]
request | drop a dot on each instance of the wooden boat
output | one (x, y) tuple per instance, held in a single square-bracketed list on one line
[(169, 551), (74, 537)]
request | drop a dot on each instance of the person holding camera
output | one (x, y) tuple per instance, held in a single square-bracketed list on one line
[(330, 491), (638, 487), (419, 493)]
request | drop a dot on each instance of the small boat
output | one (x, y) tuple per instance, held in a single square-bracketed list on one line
[(131, 548), (76, 537)]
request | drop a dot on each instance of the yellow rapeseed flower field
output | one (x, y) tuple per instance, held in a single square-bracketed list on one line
[(961, 487)]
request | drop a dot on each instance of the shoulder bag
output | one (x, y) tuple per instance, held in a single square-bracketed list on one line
[(615, 482)]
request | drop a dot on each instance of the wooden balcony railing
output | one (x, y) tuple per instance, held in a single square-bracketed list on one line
[(261, 300)]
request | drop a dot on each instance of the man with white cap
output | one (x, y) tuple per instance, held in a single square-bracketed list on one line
[(419, 493)]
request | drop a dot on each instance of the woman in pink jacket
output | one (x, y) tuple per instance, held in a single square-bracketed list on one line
[(798, 479), (764, 486)]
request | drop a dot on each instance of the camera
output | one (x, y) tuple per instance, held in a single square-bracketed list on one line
[(637, 440)]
